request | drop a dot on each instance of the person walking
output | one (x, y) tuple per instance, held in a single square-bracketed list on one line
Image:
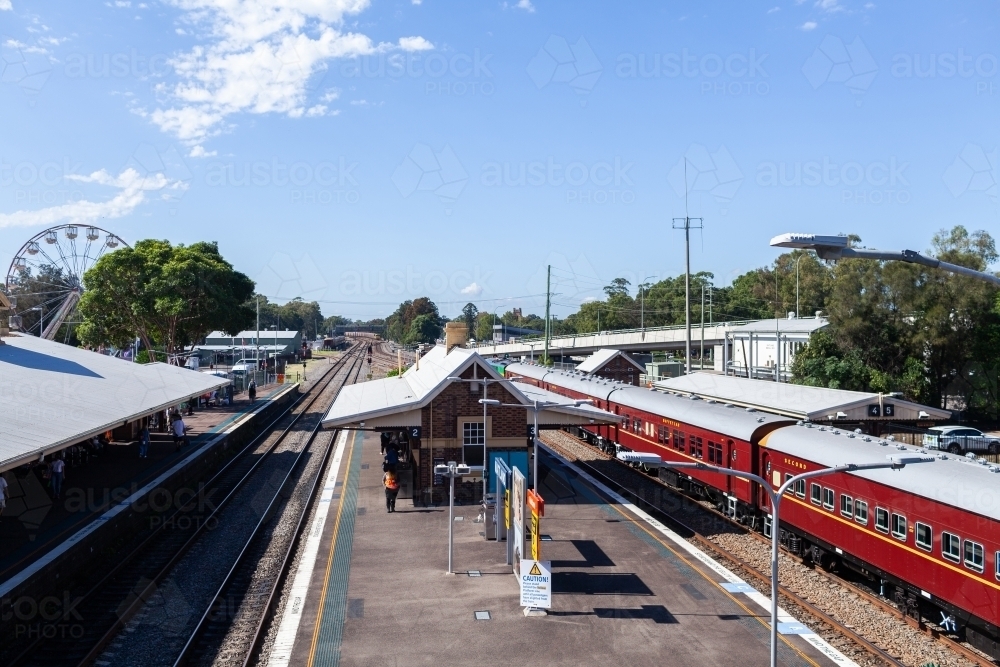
[(391, 484), (143, 441), (179, 430), (252, 390), (58, 468)]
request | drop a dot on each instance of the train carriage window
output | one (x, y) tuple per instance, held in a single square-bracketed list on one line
[(899, 526), (923, 535), (950, 546), (861, 512), (628, 422), (800, 488), (846, 505), (996, 565), (974, 556), (816, 493), (790, 489), (881, 520), (679, 441), (715, 453), (663, 435), (828, 499), (695, 449)]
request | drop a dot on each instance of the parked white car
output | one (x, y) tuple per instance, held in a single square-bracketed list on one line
[(245, 366), (960, 439)]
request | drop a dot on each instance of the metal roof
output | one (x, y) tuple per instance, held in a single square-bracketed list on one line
[(263, 334), (952, 480), (784, 325), (737, 422), (794, 400), (54, 395), (417, 387), (598, 359)]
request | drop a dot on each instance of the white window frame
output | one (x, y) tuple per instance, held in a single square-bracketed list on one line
[(858, 504), (972, 564), (892, 526), (950, 538), (829, 499), (879, 511), (849, 501), (816, 494), (800, 488), (926, 546)]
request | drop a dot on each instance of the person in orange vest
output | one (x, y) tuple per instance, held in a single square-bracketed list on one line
[(391, 484)]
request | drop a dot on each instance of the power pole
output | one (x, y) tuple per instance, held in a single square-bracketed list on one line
[(701, 355), (548, 299), (256, 340), (687, 224)]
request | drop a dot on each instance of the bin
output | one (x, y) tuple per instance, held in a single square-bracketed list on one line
[(490, 516)]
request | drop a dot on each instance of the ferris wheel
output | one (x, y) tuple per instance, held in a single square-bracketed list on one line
[(46, 274)]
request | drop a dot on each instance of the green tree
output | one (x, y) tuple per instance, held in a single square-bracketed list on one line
[(398, 325), (469, 315), (166, 295), (424, 329)]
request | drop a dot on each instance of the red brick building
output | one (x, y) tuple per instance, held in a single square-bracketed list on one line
[(613, 365), (433, 412)]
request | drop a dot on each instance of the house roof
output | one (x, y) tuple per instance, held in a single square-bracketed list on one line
[(805, 325), (55, 395), (396, 401), (794, 400), (599, 359)]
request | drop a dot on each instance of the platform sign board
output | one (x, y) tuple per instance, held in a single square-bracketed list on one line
[(536, 583), (518, 486), (501, 472)]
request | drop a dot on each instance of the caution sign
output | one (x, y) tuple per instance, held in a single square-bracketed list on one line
[(536, 583)]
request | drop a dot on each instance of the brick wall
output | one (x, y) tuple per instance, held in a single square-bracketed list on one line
[(621, 370)]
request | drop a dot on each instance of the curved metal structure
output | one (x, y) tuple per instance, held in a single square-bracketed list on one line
[(46, 274)]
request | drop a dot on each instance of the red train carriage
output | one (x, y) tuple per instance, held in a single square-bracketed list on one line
[(929, 534)]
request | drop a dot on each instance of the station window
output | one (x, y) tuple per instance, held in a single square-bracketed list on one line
[(899, 526), (923, 535), (473, 439), (881, 520), (974, 556), (861, 512), (816, 493), (679, 438), (715, 453), (950, 547), (846, 505), (828, 499), (800, 488)]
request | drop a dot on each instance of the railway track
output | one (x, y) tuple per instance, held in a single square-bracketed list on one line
[(868, 629), (230, 628), (113, 598)]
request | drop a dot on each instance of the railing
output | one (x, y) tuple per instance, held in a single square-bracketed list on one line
[(614, 332)]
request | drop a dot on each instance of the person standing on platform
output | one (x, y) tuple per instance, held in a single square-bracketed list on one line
[(58, 468), (391, 484), (391, 459), (143, 441), (252, 390), (179, 433)]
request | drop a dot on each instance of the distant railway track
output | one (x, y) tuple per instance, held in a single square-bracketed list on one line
[(877, 630), (113, 598)]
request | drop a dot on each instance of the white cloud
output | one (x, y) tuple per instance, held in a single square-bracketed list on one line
[(808, 25), (830, 6), (260, 58), (415, 44), (199, 151), (5, 6), (331, 94), (132, 191), (472, 289), (416, 2), (773, 10), (526, 5)]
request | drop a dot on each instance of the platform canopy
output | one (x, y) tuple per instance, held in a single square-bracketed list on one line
[(53, 395), (396, 402), (801, 401)]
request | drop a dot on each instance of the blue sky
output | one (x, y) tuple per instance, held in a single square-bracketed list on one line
[(360, 152)]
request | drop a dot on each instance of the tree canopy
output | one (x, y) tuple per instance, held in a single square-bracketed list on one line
[(166, 295), (403, 325)]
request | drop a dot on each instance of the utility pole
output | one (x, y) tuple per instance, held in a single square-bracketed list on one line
[(256, 341), (548, 299), (687, 224), (701, 355)]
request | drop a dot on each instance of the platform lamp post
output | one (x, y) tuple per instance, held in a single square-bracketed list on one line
[(835, 248), (642, 301), (535, 407), (893, 463), (451, 471)]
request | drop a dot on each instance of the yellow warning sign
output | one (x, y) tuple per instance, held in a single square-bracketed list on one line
[(535, 571)]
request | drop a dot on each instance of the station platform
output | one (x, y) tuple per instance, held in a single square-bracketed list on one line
[(34, 523), (371, 587)]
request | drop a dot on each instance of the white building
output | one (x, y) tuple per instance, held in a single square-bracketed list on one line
[(767, 348)]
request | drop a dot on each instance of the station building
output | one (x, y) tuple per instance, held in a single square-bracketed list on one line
[(613, 365), (244, 345), (433, 411), (766, 348)]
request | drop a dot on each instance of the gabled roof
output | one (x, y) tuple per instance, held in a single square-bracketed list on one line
[(396, 401), (784, 325), (54, 395), (599, 359)]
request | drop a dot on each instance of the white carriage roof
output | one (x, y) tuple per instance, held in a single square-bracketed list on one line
[(598, 359), (952, 480), (264, 334), (738, 422), (54, 395), (794, 400), (392, 397)]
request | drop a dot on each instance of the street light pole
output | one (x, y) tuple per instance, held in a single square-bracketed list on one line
[(894, 463), (642, 302), (451, 471), (797, 260)]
